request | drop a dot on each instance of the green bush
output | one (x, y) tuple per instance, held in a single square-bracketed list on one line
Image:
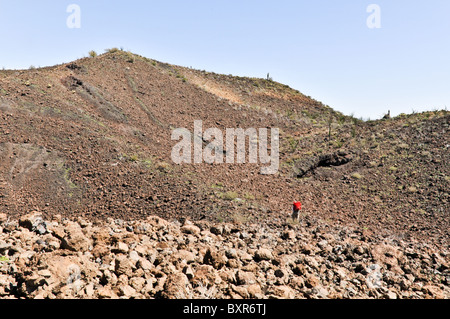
[(356, 175), (4, 259), (112, 50), (230, 195)]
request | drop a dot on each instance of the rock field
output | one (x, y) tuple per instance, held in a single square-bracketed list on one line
[(155, 258)]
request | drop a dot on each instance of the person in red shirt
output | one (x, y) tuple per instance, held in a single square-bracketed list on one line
[(296, 207)]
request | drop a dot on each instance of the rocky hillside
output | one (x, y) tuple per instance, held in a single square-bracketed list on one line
[(155, 258), (87, 146)]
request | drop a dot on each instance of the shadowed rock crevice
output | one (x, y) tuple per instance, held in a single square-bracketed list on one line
[(91, 94), (303, 167)]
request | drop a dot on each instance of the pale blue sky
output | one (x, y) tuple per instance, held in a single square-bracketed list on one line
[(323, 48)]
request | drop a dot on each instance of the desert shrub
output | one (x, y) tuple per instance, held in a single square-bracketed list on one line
[(130, 58), (163, 167), (112, 50), (356, 175), (230, 195)]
